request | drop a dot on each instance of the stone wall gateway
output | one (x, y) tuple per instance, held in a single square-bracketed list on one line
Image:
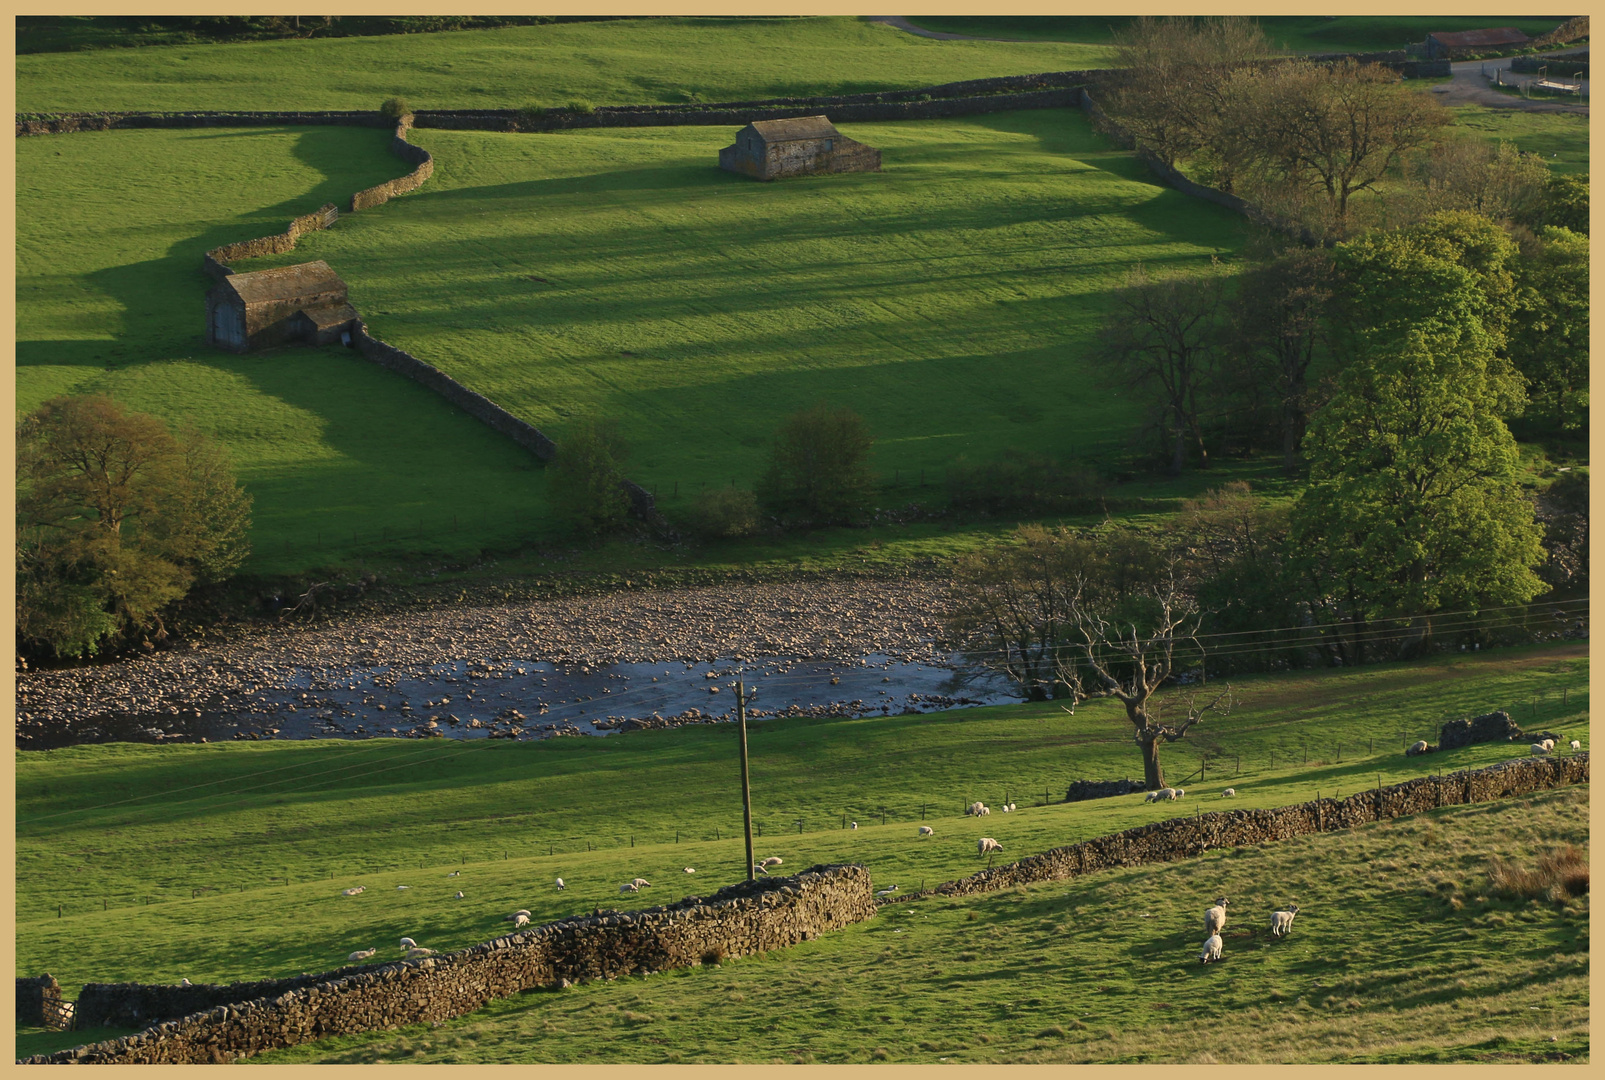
[(217, 1024)]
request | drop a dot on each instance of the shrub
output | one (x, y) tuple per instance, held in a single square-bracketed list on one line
[(394, 109), (1559, 875), (819, 465), (581, 107), (1022, 481), (531, 111), (588, 477), (725, 512)]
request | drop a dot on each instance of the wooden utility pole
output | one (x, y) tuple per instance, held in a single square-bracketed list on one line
[(746, 785)]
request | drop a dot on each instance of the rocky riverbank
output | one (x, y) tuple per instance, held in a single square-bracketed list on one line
[(357, 676)]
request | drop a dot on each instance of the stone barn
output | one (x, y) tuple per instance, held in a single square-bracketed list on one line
[(806, 145), (303, 304), (1473, 41)]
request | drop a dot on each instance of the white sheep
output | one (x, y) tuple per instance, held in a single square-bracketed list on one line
[(560, 884), (1211, 949), (1549, 744), (1179, 793), (770, 862), (1282, 921), (986, 844), (419, 954), (1576, 745), (629, 886), (1539, 749), (360, 955), (887, 892), (855, 825), (454, 873), (1215, 917), (926, 830), (1229, 793), (459, 895), (977, 809), (1011, 808), (641, 882), (185, 982), (514, 916), (408, 943), (351, 892), (400, 888), (1420, 747), (1162, 793), (520, 920), (690, 869)]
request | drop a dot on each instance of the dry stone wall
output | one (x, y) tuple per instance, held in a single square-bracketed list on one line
[(215, 262), (32, 993), (1183, 838), (224, 1023), (406, 151)]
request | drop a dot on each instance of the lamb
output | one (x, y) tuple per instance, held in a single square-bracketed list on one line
[(1162, 793), (1576, 745), (629, 886), (855, 825), (769, 862), (520, 920), (560, 884), (986, 844), (690, 869), (1539, 749), (977, 809), (1211, 949), (926, 830), (408, 943), (1179, 793), (641, 882), (1282, 921), (1229, 793), (360, 955), (1011, 808), (185, 982), (459, 895), (1215, 917)]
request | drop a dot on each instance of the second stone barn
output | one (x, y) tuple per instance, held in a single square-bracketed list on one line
[(802, 146), (303, 304)]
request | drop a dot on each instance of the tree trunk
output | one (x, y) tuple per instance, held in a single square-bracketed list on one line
[(1178, 458), (1153, 772), (1291, 436)]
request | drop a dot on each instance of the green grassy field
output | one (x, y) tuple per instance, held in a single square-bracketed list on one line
[(1561, 138), (951, 299), (667, 61), (101, 830), (1295, 33)]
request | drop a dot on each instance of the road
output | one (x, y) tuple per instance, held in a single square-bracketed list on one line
[(1471, 87)]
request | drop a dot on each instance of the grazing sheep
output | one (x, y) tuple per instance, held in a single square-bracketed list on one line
[(1282, 921), (926, 830), (986, 844), (514, 916), (1215, 917), (520, 920), (1179, 793), (887, 892), (629, 886), (352, 891), (408, 943), (1576, 745), (977, 809), (419, 954), (1012, 808), (1549, 744), (560, 884), (1420, 747), (360, 955), (640, 883), (1211, 949), (1229, 793), (1539, 749), (855, 825), (1162, 793)]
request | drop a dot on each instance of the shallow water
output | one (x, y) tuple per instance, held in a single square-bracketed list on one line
[(528, 699)]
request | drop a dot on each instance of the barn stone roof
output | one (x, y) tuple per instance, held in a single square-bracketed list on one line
[(1474, 39), (801, 127), (285, 283)]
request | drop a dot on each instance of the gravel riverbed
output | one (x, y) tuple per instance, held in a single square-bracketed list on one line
[(575, 665)]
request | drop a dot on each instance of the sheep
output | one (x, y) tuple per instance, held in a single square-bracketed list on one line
[(629, 886), (1229, 793), (1211, 949), (771, 861), (1576, 745), (560, 884), (640, 883), (419, 954), (1539, 749), (1162, 793), (1011, 808), (185, 982), (1179, 793), (454, 873), (855, 825), (520, 920), (360, 955), (1549, 744), (887, 892), (1282, 921), (514, 916), (926, 830), (977, 809), (1215, 917), (1005, 808), (1420, 747), (400, 888), (408, 943), (986, 844), (690, 869), (352, 891), (459, 895)]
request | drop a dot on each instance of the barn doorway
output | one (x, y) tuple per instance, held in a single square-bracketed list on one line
[(228, 327)]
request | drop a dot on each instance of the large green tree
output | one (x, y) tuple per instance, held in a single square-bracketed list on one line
[(819, 465), (1413, 505), (116, 518), (588, 478), (1549, 330)]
